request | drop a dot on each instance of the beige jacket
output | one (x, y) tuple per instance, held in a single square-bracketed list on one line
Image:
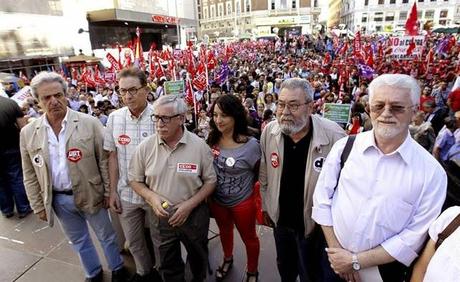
[(325, 134), (89, 175)]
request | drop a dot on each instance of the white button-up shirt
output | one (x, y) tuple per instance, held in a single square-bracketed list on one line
[(445, 263), (58, 157), (381, 199)]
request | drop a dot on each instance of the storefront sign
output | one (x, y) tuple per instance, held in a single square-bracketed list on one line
[(164, 19)]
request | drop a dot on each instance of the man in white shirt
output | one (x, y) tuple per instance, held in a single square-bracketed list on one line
[(375, 217), (66, 175), (126, 128)]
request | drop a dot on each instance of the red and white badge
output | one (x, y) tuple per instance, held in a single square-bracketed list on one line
[(74, 155), (275, 159), (187, 167), (124, 139)]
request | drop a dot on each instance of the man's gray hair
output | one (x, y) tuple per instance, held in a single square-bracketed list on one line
[(45, 77), (298, 83), (403, 81), (179, 104)]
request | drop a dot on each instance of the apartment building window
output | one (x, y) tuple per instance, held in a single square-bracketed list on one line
[(402, 15), (213, 11), (378, 16), (419, 14), (294, 2), (220, 9), (378, 28), (405, 1), (421, 0), (429, 14), (381, 2), (389, 17), (442, 22), (364, 18), (229, 8), (443, 13), (237, 7), (205, 13), (273, 5), (392, 1), (247, 6), (366, 2)]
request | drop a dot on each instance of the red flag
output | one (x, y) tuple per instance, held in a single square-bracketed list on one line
[(430, 56), (115, 64), (199, 81), (369, 55), (97, 76), (411, 47), (327, 59), (411, 23), (212, 62)]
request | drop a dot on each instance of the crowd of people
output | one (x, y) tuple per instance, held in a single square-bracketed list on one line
[(352, 201)]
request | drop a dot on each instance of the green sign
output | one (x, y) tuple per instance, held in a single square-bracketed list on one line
[(339, 113), (175, 87)]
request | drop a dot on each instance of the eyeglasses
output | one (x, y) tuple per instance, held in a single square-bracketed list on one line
[(164, 119), (291, 107), (394, 109), (132, 91)]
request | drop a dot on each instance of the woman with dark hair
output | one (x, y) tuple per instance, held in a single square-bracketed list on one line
[(236, 161)]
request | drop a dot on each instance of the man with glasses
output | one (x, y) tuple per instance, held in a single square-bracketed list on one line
[(173, 172), (126, 129), (376, 210), (294, 148)]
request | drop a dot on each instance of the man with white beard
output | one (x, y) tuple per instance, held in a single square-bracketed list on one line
[(294, 148), (375, 208)]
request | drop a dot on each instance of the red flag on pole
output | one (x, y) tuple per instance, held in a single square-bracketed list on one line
[(411, 47), (411, 23)]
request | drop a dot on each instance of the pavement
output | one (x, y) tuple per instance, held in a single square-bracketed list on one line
[(30, 251)]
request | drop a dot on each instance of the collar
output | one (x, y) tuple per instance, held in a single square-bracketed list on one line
[(132, 117), (63, 122), (404, 150)]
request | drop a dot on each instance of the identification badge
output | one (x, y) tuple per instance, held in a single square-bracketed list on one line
[(187, 167), (275, 159), (74, 155), (124, 139), (38, 160)]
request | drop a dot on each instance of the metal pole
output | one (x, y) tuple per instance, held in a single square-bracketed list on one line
[(178, 25)]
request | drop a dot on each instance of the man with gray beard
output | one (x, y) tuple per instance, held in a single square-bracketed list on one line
[(294, 148)]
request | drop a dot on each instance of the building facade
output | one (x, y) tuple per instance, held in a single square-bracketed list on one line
[(390, 16), (251, 18)]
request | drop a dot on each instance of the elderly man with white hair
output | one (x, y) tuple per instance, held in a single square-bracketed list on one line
[(376, 206)]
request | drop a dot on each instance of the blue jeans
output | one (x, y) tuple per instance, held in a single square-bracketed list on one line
[(11, 183), (74, 224), (296, 255)]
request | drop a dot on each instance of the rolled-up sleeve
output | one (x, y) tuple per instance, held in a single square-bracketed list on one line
[(109, 142), (208, 174), (405, 246), (136, 170), (325, 187)]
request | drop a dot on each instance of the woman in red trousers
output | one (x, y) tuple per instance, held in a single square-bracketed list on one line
[(236, 161)]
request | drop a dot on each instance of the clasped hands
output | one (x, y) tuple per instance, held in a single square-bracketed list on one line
[(341, 263)]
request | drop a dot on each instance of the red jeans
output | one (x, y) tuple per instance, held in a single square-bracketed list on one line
[(243, 216)]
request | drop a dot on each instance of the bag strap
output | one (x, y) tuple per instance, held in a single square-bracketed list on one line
[(448, 231), (344, 156)]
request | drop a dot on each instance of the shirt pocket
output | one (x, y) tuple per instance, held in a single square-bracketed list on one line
[(394, 215)]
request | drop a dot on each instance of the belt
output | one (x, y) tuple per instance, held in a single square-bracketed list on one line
[(63, 192)]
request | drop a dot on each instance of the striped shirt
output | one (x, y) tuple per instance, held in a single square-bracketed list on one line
[(122, 134)]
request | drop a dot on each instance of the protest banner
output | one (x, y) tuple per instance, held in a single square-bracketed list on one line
[(400, 45), (175, 87), (339, 113)]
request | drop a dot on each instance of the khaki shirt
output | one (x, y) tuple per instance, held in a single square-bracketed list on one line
[(177, 174)]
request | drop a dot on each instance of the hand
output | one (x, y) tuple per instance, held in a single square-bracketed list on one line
[(267, 221), (181, 214), (42, 215), (155, 202), (341, 260), (114, 202), (351, 277), (106, 202)]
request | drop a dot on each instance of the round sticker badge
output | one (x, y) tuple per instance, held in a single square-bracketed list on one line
[(124, 139), (230, 162), (275, 159), (74, 155), (38, 160), (144, 134)]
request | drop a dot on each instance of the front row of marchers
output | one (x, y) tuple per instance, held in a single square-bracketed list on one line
[(354, 209)]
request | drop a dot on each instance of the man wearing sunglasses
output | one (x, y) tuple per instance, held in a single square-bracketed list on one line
[(126, 128), (376, 210), (173, 172)]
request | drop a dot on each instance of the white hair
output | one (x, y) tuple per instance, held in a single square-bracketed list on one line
[(299, 83), (402, 81), (44, 77), (179, 103)]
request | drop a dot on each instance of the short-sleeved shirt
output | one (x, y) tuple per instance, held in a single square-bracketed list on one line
[(235, 172), (9, 112), (445, 263), (176, 174), (123, 134), (444, 141)]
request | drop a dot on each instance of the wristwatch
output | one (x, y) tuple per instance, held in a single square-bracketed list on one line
[(355, 263)]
